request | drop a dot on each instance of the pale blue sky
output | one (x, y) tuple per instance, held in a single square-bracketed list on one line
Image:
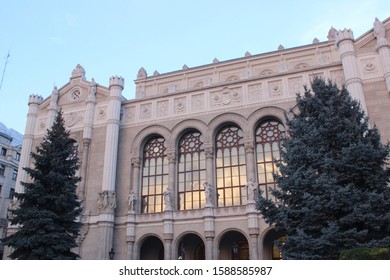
[(47, 39)]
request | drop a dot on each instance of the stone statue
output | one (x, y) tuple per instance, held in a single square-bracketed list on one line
[(168, 200), (106, 201), (209, 194), (379, 29), (252, 190), (131, 201)]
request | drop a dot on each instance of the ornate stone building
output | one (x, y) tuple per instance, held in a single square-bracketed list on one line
[(10, 151), (174, 172)]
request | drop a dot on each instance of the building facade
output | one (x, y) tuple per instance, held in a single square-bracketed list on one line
[(174, 172), (10, 151)]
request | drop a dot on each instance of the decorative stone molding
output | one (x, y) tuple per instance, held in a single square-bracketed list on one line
[(337, 76), (295, 85), (275, 88), (226, 97), (369, 66), (197, 102), (73, 118), (106, 202), (162, 108), (101, 113), (136, 161), (146, 111), (180, 105), (74, 94), (255, 92)]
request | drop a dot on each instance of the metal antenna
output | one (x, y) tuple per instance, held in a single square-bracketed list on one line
[(5, 66)]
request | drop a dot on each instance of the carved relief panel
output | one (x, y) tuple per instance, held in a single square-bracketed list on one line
[(162, 108), (227, 96), (255, 92), (275, 89), (197, 102)]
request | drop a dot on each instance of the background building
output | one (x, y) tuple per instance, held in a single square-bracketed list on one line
[(174, 172), (10, 150)]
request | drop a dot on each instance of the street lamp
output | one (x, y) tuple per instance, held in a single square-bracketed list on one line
[(111, 254)]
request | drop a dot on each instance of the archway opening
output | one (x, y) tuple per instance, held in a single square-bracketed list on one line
[(233, 246), (191, 247), (271, 245), (152, 249)]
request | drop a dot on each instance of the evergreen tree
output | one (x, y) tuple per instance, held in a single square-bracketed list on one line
[(48, 210), (333, 189)]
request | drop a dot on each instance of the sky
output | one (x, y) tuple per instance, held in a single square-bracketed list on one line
[(47, 39)]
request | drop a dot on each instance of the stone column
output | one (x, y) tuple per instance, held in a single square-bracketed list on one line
[(53, 108), (353, 81), (107, 198), (32, 115), (383, 47), (172, 177)]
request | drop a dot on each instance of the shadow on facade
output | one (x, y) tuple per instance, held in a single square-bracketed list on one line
[(152, 248), (233, 246), (191, 247)]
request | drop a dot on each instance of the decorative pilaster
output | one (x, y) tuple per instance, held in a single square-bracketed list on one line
[(53, 107), (168, 234), (383, 47), (130, 235), (172, 178), (253, 229), (209, 231), (353, 81), (136, 164), (107, 198), (87, 135)]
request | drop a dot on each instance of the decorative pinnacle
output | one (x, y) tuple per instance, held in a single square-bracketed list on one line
[(342, 35), (142, 73), (35, 99), (117, 81)]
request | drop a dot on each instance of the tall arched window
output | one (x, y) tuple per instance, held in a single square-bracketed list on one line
[(154, 175), (230, 167), (191, 171), (268, 137)]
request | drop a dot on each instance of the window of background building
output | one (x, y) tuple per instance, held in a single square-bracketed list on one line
[(17, 157), (154, 176), (3, 151), (11, 193), (2, 169), (191, 171), (268, 137), (14, 175), (230, 167), (1, 187)]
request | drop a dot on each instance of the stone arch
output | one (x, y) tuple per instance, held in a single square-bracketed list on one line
[(144, 135), (181, 128), (262, 114), (224, 119), (190, 245), (150, 247), (233, 245), (268, 241)]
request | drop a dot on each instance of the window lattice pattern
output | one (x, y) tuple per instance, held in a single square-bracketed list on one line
[(268, 137), (154, 176), (230, 167), (192, 171)]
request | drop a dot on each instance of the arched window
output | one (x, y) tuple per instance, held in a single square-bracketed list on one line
[(154, 176), (230, 167), (191, 171), (268, 137)]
